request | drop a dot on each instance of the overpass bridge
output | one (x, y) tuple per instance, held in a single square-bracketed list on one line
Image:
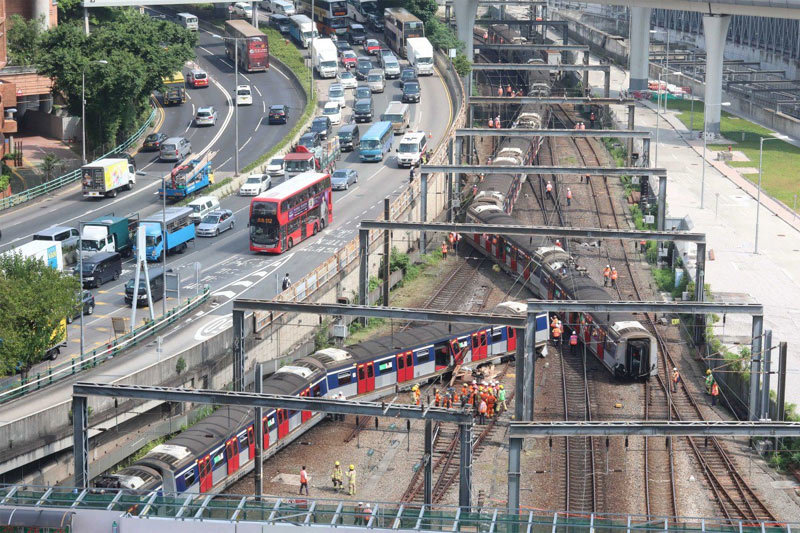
[(716, 21)]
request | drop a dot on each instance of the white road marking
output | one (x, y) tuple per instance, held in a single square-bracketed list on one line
[(245, 143), (282, 74), (245, 77), (244, 283), (223, 163), (224, 294), (258, 91)]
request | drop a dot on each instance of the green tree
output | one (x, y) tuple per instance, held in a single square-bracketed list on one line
[(34, 301), (48, 165), (462, 65), (24, 40), (424, 10), (139, 51)]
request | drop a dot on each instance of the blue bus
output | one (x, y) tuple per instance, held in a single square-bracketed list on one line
[(376, 142)]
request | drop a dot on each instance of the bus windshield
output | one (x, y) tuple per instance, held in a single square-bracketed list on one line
[(264, 225), (370, 144)]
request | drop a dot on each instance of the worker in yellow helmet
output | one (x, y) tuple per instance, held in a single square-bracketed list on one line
[(351, 480), (337, 476)]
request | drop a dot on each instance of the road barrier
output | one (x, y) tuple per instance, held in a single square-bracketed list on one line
[(99, 355), (70, 177)]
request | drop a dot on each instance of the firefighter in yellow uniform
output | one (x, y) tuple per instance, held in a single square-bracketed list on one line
[(337, 477), (351, 480)]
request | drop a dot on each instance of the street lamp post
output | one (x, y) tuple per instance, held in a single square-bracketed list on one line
[(758, 198), (235, 94), (164, 245), (80, 274), (83, 107), (705, 125)]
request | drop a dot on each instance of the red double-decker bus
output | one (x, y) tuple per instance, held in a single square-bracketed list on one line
[(289, 213), (252, 43)]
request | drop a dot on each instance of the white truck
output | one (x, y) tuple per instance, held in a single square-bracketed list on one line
[(106, 177), (48, 251), (325, 58), (419, 52)]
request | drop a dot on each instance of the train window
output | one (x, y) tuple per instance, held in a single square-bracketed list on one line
[(219, 457), (243, 441), (188, 478), (317, 391), (385, 367), (423, 356), (497, 335), (370, 371), (271, 421), (344, 377)]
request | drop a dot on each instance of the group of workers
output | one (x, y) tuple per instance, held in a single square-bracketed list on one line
[(610, 275), (712, 387), (509, 91), (486, 399), (337, 477), (494, 123)]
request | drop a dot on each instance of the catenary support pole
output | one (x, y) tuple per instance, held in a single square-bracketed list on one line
[(661, 206), (450, 160), (781, 398), (363, 269), (80, 432), (514, 466), (699, 294), (520, 365), (238, 350), (587, 89), (428, 458), (755, 365), (765, 379), (529, 391), (607, 84), (258, 423), (465, 466), (423, 209), (631, 117), (387, 250)]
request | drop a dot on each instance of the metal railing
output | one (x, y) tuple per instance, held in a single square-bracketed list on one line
[(87, 360), (70, 177), (230, 509)]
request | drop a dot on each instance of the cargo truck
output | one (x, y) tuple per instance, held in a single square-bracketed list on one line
[(105, 177), (179, 231), (109, 234), (302, 30), (304, 160), (188, 178), (419, 52), (174, 91), (49, 252), (324, 55)]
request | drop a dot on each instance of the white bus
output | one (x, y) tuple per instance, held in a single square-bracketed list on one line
[(359, 10)]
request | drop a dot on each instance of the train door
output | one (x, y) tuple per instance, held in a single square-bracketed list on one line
[(232, 451), (511, 333), (514, 260), (637, 357), (458, 356), (479, 346), (283, 423), (204, 467), (251, 441), (587, 330), (370, 376), (601, 342), (526, 272), (265, 422), (550, 287), (409, 365), (401, 368), (305, 415), (361, 374)]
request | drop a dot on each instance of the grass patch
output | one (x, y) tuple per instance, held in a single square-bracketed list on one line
[(781, 159)]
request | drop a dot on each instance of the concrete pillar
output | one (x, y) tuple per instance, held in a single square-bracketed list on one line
[(765, 380), (700, 294), (465, 466), (258, 423), (363, 269), (715, 28), (238, 350), (428, 479), (423, 210), (80, 436), (41, 9), (755, 365), (466, 11), (640, 48)]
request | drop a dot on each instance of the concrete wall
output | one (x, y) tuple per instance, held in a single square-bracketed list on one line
[(208, 364), (48, 125)]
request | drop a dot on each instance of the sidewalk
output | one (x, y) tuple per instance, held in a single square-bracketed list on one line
[(34, 148), (771, 277)]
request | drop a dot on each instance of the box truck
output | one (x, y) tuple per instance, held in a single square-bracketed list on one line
[(106, 177), (420, 54), (325, 56)]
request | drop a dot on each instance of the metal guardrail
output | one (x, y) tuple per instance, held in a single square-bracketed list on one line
[(98, 356), (69, 177)]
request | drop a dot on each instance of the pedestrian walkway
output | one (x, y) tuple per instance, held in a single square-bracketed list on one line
[(34, 150), (728, 218)]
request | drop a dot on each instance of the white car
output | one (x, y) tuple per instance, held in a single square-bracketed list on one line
[(336, 94), (347, 80), (276, 167), (243, 9), (255, 185), (333, 112), (244, 95)]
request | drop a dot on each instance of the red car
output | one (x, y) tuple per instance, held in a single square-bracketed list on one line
[(372, 46), (349, 59), (197, 78)]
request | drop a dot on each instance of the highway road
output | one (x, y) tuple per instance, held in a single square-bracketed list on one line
[(228, 266)]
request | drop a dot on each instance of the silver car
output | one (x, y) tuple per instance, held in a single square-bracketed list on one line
[(215, 223), (206, 116), (376, 80)]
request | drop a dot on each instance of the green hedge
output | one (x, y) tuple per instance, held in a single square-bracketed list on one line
[(287, 53)]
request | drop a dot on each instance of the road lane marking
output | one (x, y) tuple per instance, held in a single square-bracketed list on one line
[(245, 143)]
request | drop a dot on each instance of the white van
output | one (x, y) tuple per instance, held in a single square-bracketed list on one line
[(188, 21), (411, 147), (279, 7), (201, 207), (397, 113)]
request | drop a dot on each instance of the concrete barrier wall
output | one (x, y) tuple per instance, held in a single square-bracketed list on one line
[(49, 125), (208, 364)]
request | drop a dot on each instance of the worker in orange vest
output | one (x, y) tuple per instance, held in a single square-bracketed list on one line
[(303, 480), (557, 334), (676, 378), (497, 122), (437, 399), (614, 277), (500, 91), (606, 275), (444, 250), (490, 401), (509, 91), (643, 246), (491, 123), (569, 196), (714, 393), (573, 342)]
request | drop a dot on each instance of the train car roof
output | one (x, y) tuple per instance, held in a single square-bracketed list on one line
[(403, 340), (213, 429)]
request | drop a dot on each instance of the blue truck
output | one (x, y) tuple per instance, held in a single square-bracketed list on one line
[(188, 178), (179, 231)]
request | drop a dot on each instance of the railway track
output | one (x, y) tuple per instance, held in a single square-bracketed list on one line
[(734, 497)]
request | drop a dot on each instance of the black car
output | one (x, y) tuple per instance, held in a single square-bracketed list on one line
[(342, 45), (408, 74), (363, 66), (87, 308), (323, 126), (152, 142), (376, 22), (280, 22), (278, 114), (411, 91), (362, 110)]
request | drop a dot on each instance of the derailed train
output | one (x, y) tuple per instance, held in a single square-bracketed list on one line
[(215, 450)]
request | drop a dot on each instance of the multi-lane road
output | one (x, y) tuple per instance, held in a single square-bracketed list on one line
[(227, 265)]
